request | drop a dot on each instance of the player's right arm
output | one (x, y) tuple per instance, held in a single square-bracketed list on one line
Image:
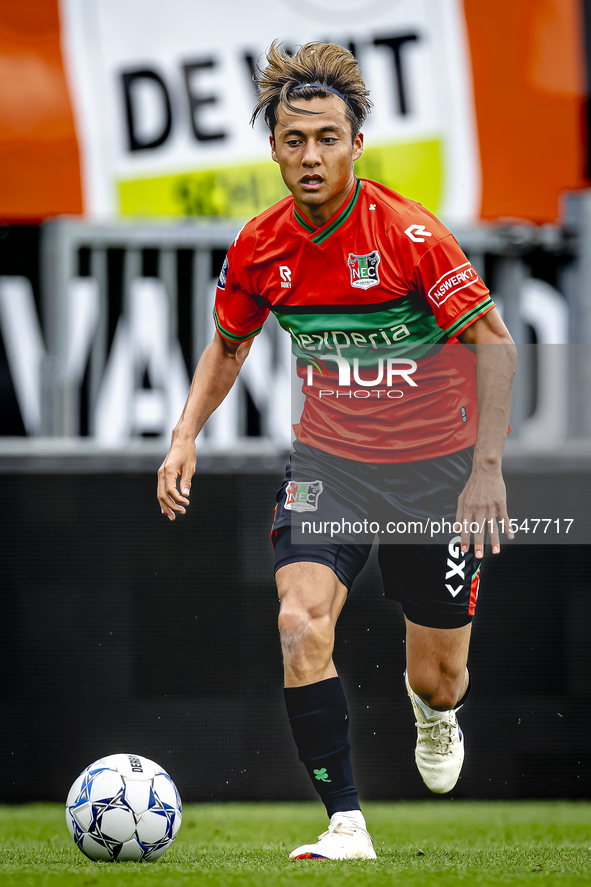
[(239, 316), (216, 372)]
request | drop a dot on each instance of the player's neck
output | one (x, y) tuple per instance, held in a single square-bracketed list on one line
[(320, 214)]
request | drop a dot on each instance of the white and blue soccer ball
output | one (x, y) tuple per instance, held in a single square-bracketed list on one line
[(123, 807)]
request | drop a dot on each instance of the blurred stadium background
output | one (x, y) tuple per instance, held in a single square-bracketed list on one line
[(127, 165)]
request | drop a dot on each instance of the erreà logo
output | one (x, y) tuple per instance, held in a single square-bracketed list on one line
[(364, 269)]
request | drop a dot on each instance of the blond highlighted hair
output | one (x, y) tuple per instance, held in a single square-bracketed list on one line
[(314, 63)]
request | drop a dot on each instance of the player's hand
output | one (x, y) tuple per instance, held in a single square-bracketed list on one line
[(482, 501), (179, 462)]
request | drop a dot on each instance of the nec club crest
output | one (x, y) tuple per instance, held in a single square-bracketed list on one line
[(303, 495), (364, 270)]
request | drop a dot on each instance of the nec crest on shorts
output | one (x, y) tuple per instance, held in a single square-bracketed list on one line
[(302, 496)]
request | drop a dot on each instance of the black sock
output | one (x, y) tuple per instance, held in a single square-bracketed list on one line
[(319, 722)]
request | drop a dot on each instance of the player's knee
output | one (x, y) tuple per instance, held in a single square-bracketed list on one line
[(292, 623), (304, 638), (305, 628)]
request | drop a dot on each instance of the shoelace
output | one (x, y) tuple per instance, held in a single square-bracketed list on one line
[(338, 829), (441, 734)]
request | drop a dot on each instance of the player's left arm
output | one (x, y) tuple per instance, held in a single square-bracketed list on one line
[(483, 499)]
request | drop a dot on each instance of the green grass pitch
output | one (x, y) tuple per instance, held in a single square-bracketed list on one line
[(418, 843)]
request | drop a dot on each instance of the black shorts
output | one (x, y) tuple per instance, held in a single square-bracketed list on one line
[(436, 584)]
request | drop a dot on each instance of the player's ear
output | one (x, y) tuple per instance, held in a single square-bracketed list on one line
[(358, 146), (273, 152)]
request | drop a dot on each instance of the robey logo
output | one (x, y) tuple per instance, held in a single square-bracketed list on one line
[(285, 274), (417, 233)]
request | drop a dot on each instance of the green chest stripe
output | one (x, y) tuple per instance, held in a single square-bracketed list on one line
[(402, 329)]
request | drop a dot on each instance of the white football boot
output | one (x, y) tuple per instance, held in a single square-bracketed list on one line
[(340, 841), (439, 751)]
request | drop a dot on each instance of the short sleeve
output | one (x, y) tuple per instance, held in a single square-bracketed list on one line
[(448, 282), (239, 313)]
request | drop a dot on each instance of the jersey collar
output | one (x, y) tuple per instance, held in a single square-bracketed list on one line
[(323, 233)]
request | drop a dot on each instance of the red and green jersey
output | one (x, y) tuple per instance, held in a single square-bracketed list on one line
[(373, 301)]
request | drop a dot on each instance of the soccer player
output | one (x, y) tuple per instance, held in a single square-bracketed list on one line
[(363, 278)]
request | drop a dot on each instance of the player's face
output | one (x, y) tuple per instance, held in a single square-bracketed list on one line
[(316, 154)]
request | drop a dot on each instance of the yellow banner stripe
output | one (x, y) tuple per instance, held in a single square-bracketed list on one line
[(415, 169)]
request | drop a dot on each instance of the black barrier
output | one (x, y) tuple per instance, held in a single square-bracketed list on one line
[(121, 631)]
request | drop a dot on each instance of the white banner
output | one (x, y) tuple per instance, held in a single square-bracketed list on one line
[(163, 96)]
